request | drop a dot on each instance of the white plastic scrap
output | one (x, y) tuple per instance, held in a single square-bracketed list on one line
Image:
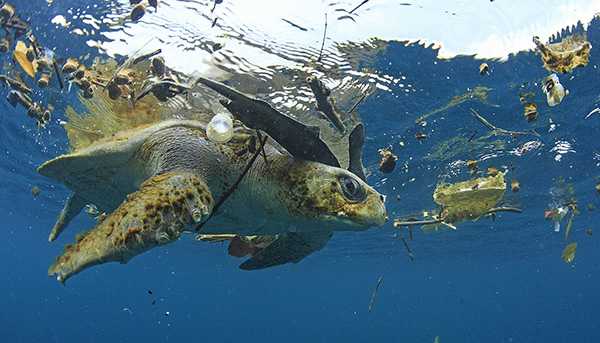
[(554, 90), (220, 128)]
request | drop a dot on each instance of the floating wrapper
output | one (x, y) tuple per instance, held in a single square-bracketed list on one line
[(554, 90), (471, 199), (20, 55), (568, 254)]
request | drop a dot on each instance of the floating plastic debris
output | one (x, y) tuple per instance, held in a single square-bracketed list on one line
[(554, 90), (387, 164), (35, 191), (138, 11), (568, 254), (530, 111), (595, 110), (472, 165), (374, 294), (466, 200), (566, 55), (220, 128), (484, 69), (515, 185), (21, 56)]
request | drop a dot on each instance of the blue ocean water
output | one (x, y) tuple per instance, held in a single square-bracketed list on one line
[(499, 280)]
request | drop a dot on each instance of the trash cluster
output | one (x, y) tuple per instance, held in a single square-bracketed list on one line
[(41, 64), (483, 196)]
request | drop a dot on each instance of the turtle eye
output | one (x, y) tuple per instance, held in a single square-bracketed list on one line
[(352, 189)]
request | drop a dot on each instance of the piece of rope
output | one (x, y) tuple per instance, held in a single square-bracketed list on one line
[(231, 189)]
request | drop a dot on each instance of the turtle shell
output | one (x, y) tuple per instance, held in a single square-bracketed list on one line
[(564, 56), (469, 199)]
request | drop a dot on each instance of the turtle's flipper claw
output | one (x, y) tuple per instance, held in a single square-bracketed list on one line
[(156, 214)]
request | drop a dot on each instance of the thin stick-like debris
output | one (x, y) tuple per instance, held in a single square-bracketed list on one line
[(410, 253), (499, 131), (232, 189), (295, 25), (323, 42), (357, 103), (374, 294), (358, 6)]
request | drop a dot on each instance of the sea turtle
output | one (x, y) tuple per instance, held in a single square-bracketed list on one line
[(564, 56), (267, 251), (160, 180)]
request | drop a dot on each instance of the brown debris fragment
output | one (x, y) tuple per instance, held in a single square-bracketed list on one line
[(387, 163)]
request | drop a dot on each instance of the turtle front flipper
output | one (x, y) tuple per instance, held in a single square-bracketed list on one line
[(157, 214), (289, 247), (72, 207)]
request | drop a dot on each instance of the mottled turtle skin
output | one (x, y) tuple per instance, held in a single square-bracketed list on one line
[(570, 53), (159, 181)]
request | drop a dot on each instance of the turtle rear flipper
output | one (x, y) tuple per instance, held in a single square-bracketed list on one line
[(157, 214), (72, 207), (289, 247)]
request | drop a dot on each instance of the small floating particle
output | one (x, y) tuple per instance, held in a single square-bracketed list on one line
[(150, 291), (598, 187), (387, 164), (138, 11), (420, 136), (589, 231), (515, 186), (484, 69), (472, 165), (492, 171), (70, 66), (35, 191), (568, 254), (167, 314), (530, 111), (44, 80), (4, 45), (7, 11)]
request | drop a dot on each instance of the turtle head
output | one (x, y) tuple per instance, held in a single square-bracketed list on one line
[(335, 196)]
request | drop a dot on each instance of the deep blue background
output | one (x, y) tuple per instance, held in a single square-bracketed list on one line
[(489, 281)]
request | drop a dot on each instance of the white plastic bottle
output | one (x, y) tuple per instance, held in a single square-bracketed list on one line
[(220, 128)]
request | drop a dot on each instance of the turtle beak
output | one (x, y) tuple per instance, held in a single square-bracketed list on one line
[(373, 212)]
